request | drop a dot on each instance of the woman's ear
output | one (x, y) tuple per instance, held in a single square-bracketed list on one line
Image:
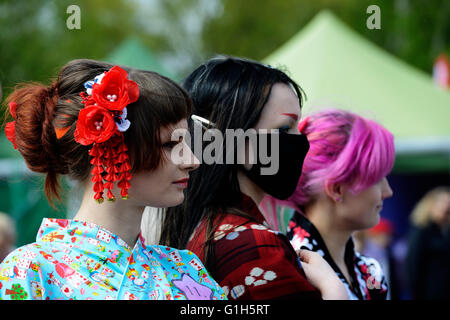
[(335, 191)]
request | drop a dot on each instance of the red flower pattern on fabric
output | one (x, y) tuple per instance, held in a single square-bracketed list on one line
[(301, 233)]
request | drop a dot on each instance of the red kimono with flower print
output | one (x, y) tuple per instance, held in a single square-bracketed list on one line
[(251, 261)]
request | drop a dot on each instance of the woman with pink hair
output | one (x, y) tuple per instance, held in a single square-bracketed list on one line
[(341, 190)]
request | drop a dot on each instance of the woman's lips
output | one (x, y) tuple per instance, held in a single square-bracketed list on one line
[(182, 182)]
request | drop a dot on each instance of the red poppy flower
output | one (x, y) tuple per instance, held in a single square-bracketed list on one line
[(10, 132), (95, 124), (115, 91)]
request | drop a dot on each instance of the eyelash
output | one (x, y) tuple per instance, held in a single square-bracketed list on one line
[(170, 144), (284, 129)]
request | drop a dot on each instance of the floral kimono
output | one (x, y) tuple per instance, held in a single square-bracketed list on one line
[(367, 279), (81, 261), (251, 261)]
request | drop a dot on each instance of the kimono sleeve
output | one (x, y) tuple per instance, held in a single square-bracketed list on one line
[(20, 276), (257, 264), (197, 284)]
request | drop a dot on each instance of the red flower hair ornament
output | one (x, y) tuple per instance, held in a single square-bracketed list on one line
[(101, 123), (10, 128)]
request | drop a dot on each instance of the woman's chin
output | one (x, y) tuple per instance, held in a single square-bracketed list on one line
[(175, 201)]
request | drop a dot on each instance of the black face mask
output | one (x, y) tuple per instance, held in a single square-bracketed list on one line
[(291, 154)]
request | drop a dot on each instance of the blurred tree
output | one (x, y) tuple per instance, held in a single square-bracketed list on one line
[(414, 30), (179, 25), (36, 42)]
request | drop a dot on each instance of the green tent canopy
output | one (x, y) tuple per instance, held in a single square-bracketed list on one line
[(337, 68), (131, 52)]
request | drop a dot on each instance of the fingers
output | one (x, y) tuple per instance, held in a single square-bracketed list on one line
[(307, 269), (304, 255)]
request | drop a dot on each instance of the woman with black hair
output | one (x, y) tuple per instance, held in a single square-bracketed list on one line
[(220, 220)]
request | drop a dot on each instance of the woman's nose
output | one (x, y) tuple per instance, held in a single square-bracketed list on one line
[(190, 161), (387, 191)]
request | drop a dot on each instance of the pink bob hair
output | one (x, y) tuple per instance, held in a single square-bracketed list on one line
[(344, 148)]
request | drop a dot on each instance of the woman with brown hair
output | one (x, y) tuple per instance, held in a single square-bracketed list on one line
[(108, 127)]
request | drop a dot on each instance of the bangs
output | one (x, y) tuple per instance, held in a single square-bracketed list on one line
[(367, 157)]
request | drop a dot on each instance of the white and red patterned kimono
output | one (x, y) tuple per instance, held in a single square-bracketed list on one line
[(367, 279)]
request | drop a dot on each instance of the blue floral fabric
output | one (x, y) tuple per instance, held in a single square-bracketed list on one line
[(78, 260)]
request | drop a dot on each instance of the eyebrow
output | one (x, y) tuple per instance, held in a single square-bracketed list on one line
[(292, 115)]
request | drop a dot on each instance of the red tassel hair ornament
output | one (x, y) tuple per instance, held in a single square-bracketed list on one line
[(101, 123)]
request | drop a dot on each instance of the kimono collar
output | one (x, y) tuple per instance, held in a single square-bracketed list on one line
[(362, 270), (311, 233), (250, 207), (75, 231)]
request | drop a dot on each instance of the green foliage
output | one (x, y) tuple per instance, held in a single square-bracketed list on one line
[(35, 40), (417, 31)]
